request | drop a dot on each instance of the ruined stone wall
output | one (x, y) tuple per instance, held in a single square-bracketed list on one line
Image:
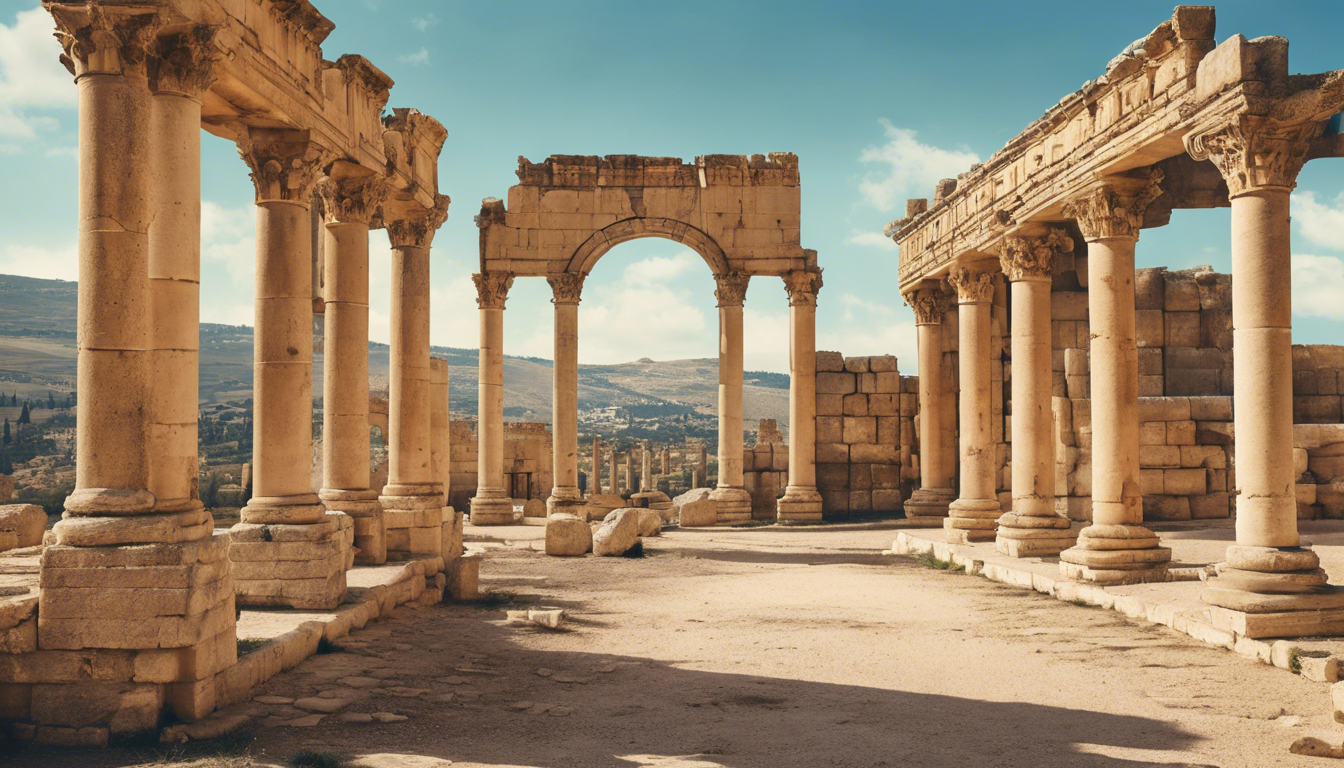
[(765, 470), (865, 430), (527, 450)]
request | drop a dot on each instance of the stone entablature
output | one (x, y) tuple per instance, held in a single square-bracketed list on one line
[(1169, 92), (740, 213)]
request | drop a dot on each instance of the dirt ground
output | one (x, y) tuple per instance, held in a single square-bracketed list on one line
[(765, 648)]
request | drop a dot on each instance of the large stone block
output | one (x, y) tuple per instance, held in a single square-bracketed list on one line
[(1149, 288), (832, 476), (1211, 408), (1181, 294), (859, 429), (830, 405), (888, 430), (856, 364), (1166, 508), (1159, 457), (856, 404), (1150, 361), (1185, 482), (122, 707), (832, 453), (882, 364), (1182, 329), (27, 521), (1163, 409), (830, 362), (1149, 328), (829, 429), (1180, 433), (1068, 305), (835, 384), (874, 454), (1210, 506)]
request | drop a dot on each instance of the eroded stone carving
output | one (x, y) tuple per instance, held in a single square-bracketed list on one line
[(492, 288), (802, 285), (1253, 152), (566, 287), (351, 199), (1109, 211), (184, 62), (102, 41), (283, 170), (1032, 257), (929, 304), (732, 288), (414, 226), (972, 286)]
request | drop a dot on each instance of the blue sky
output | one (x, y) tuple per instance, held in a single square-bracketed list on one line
[(878, 99)]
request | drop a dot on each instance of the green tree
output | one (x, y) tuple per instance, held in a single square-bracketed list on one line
[(5, 440), (51, 401), (24, 417)]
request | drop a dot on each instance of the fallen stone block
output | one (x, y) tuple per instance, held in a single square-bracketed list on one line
[(618, 534), (650, 522), (28, 522), (568, 536)]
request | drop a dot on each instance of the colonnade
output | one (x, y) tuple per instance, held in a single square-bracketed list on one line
[(492, 504)]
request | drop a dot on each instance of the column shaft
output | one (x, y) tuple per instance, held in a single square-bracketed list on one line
[(492, 504), (732, 500), (801, 501), (410, 468), (345, 381), (565, 494), (973, 516), (929, 503)]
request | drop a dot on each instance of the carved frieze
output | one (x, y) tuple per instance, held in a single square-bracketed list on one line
[(732, 288), (1254, 152), (972, 286), (283, 170), (1110, 210), (413, 225), (929, 304), (352, 199), (802, 286), (492, 288), (183, 62), (1032, 257), (566, 287), (102, 40)]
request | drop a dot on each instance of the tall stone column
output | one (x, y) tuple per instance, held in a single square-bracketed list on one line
[(929, 503), (349, 202), (1116, 548), (412, 500), (975, 513), (492, 504), (284, 515), (89, 577), (595, 487), (1269, 569), (629, 486), (565, 495), (665, 461), (1032, 528), (440, 431), (801, 502), (731, 499), (614, 486), (645, 469)]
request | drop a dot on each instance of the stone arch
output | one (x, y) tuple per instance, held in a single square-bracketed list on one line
[(603, 240)]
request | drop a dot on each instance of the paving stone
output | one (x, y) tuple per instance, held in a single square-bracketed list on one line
[(355, 717), (304, 722), (318, 704), (404, 692), (272, 699), (519, 706), (360, 682), (389, 717)]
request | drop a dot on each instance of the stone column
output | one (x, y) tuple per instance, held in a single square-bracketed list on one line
[(801, 502), (731, 499), (439, 429), (929, 503), (974, 515), (645, 469), (629, 486), (565, 495), (349, 201), (87, 603), (412, 500), (666, 462), (1032, 528), (284, 515), (596, 484), (1116, 548), (492, 504), (614, 487), (1269, 569)]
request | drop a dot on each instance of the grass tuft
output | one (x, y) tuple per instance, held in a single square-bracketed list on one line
[(247, 645), (312, 759), (928, 560)]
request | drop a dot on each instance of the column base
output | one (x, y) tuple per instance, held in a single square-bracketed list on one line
[(292, 566), (567, 500), (491, 506), (1275, 592), (970, 521), (733, 505), (1115, 554), (799, 506), (413, 516), (302, 509), (370, 526), (1033, 536), (929, 505)]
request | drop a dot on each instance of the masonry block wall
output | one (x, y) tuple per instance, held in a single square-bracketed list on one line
[(765, 474), (527, 457), (861, 417)]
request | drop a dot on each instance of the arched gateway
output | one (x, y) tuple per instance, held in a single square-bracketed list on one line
[(740, 213)]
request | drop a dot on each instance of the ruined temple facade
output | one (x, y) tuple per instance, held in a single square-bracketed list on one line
[(1027, 261)]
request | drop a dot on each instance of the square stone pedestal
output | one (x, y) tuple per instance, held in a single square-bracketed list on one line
[(294, 566), (1037, 546), (970, 535), (414, 526)]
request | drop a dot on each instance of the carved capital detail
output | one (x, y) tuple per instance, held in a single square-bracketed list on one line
[(1108, 210), (929, 304), (972, 286), (732, 288), (802, 285), (351, 199), (102, 41), (283, 170), (184, 62), (492, 288), (1254, 152), (566, 287), (1032, 257), (413, 226)]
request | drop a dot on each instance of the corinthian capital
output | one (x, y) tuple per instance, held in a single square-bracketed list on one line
[(566, 287), (972, 286), (411, 225), (184, 62), (351, 199), (492, 288), (101, 40), (1254, 152), (802, 286), (283, 168), (732, 288), (1114, 208), (929, 304), (1032, 257)]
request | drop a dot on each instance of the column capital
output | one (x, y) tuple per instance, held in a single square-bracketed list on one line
[(1031, 257), (732, 288), (351, 199), (411, 225), (184, 62), (1254, 152), (283, 167), (1115, 207), (99, 40), (492, 288), (972, 286), (929, 304), (802, 285), (566, 287)]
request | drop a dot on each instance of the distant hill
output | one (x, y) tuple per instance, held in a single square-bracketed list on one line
[(37, 353)]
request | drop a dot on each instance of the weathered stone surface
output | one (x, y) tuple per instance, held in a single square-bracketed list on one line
[(650, 522), (568, 536), (618, 534), (28, 522)]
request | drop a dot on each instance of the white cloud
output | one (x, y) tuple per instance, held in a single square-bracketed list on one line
[(228, 238), (423, 23), (1320, 223), (765, 334), (418, 58), (58, 263), (870, 328), (31, 75), (869, 240), (1318, 283), (908, 167)]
